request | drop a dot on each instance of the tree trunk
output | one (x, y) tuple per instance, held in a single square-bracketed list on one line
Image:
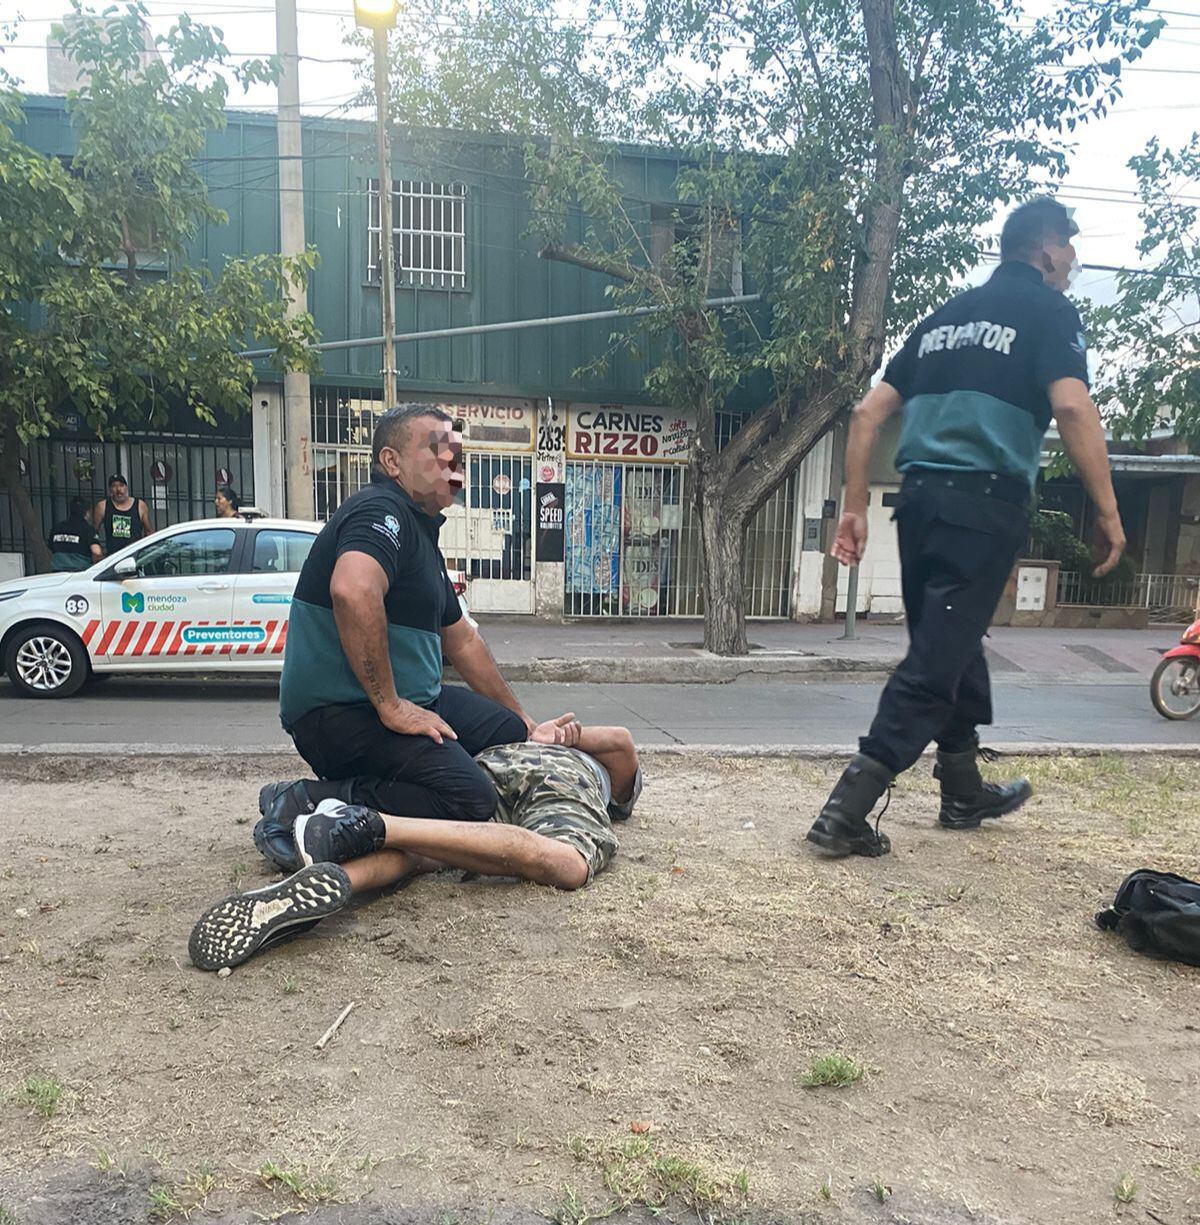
[(14, 486), (723, 535)]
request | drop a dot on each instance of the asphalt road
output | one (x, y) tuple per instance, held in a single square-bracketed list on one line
[(241, 714)]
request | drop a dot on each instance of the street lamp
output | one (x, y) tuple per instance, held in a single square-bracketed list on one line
[(379, 16)]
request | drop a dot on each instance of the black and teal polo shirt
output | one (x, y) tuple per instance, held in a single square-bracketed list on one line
[(974, 376), (383, 522)]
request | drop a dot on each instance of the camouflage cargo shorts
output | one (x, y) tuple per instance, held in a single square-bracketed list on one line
[(556, 792)]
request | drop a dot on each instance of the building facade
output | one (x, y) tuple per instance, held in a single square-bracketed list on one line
[(577, 500)]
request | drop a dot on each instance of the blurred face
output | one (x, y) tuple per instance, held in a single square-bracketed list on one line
[(1057, 264), (118, 491), (428, 464), (223, 504)]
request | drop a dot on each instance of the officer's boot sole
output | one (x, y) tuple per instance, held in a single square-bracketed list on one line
[(238, 926), (838, 838), (1020, 793)]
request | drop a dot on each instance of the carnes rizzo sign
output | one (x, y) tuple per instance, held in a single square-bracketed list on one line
[(616, 433)]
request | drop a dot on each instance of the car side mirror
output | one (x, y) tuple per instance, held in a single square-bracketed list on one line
[(125, 568)]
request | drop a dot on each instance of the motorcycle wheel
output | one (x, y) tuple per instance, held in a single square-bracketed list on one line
[(1175, 688)]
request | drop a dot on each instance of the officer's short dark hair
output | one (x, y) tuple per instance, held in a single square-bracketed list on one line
[(1030, 225), (391, 430)]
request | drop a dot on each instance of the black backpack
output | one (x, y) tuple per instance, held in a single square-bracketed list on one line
[(1157, 913)]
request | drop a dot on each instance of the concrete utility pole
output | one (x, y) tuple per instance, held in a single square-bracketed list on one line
[(379, 16), (297, 400), (387, 266)]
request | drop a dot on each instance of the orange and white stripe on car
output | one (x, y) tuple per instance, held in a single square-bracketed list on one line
[(119, 638)]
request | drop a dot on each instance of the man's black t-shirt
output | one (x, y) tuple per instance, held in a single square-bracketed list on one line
[(383, 522), (74, 536), (974, 375)]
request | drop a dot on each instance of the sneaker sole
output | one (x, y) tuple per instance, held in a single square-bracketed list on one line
[(1018, 801), (236, 928)]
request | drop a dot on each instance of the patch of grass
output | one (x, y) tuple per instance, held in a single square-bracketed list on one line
[(174, 1023), (106, 1163), (43, 1094), (307, 1187), (238, 873), (572, 1210), (164, 1204), (290, 984), (1125, 1190), (880, 1191), (638, 1173), (825, 1190), (7, 1216), (202, 1181), (834, 1070)]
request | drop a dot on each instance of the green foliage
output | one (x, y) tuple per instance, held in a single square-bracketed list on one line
[(1053, 531), (770, 108), (833, 1070), (82, 323), (1152, 331)]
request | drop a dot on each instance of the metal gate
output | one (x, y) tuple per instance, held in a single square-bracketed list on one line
[(175, 476), (489, 532), (633, 545)]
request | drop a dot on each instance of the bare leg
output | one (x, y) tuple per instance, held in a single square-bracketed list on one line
[(613, 748), (489, 848), (385, 868)]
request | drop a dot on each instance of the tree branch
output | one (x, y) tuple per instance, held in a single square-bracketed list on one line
[(569, 253)]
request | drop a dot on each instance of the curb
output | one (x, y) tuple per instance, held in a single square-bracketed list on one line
[(694, 669), (794, 752)]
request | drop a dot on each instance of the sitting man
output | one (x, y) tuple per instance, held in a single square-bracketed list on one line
[(553, 826)]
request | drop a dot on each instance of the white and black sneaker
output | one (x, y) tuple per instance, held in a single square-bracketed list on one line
[(338, 832), (244, 923)]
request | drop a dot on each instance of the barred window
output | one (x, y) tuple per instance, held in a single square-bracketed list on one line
[(428, 233)]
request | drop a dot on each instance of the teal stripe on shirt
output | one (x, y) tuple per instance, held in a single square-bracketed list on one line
[(316, 671), (969, 431)]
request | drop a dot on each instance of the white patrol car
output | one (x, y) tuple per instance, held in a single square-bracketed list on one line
[(210, 595)]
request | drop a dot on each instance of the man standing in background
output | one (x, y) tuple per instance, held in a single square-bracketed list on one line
[(121, 519)]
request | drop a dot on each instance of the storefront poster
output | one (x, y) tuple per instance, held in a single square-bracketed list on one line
[(593, 535), (615, 433), (551, 499)]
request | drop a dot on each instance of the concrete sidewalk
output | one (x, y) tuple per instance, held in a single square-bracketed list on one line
[(655, 651)]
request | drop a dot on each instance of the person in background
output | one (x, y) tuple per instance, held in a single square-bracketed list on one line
[(122, 519), (226, 501), (72, 541)]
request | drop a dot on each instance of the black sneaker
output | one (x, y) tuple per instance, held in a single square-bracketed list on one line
[(338, 832), (240, 925)]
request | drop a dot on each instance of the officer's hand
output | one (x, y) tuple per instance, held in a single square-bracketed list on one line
[(564, 730), (411, 720), (850, 543), (1109, 543)]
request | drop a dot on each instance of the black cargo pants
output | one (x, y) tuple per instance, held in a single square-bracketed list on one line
[(959, 536)]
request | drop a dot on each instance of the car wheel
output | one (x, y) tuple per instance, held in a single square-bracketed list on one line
[(46, 661)]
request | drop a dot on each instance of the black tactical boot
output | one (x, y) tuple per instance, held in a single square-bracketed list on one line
[(842, 828), (966, 799), (280, 805)]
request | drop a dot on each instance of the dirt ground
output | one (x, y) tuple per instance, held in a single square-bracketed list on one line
[(508, 1045)]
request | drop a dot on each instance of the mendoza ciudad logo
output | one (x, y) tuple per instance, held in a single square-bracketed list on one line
[(133, 601)]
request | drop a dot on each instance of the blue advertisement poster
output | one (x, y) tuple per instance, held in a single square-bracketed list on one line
[(593, 545)]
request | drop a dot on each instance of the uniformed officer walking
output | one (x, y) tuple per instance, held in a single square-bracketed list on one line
[(978, 381)]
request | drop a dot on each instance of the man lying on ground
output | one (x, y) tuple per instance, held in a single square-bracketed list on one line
[(553, 826)]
